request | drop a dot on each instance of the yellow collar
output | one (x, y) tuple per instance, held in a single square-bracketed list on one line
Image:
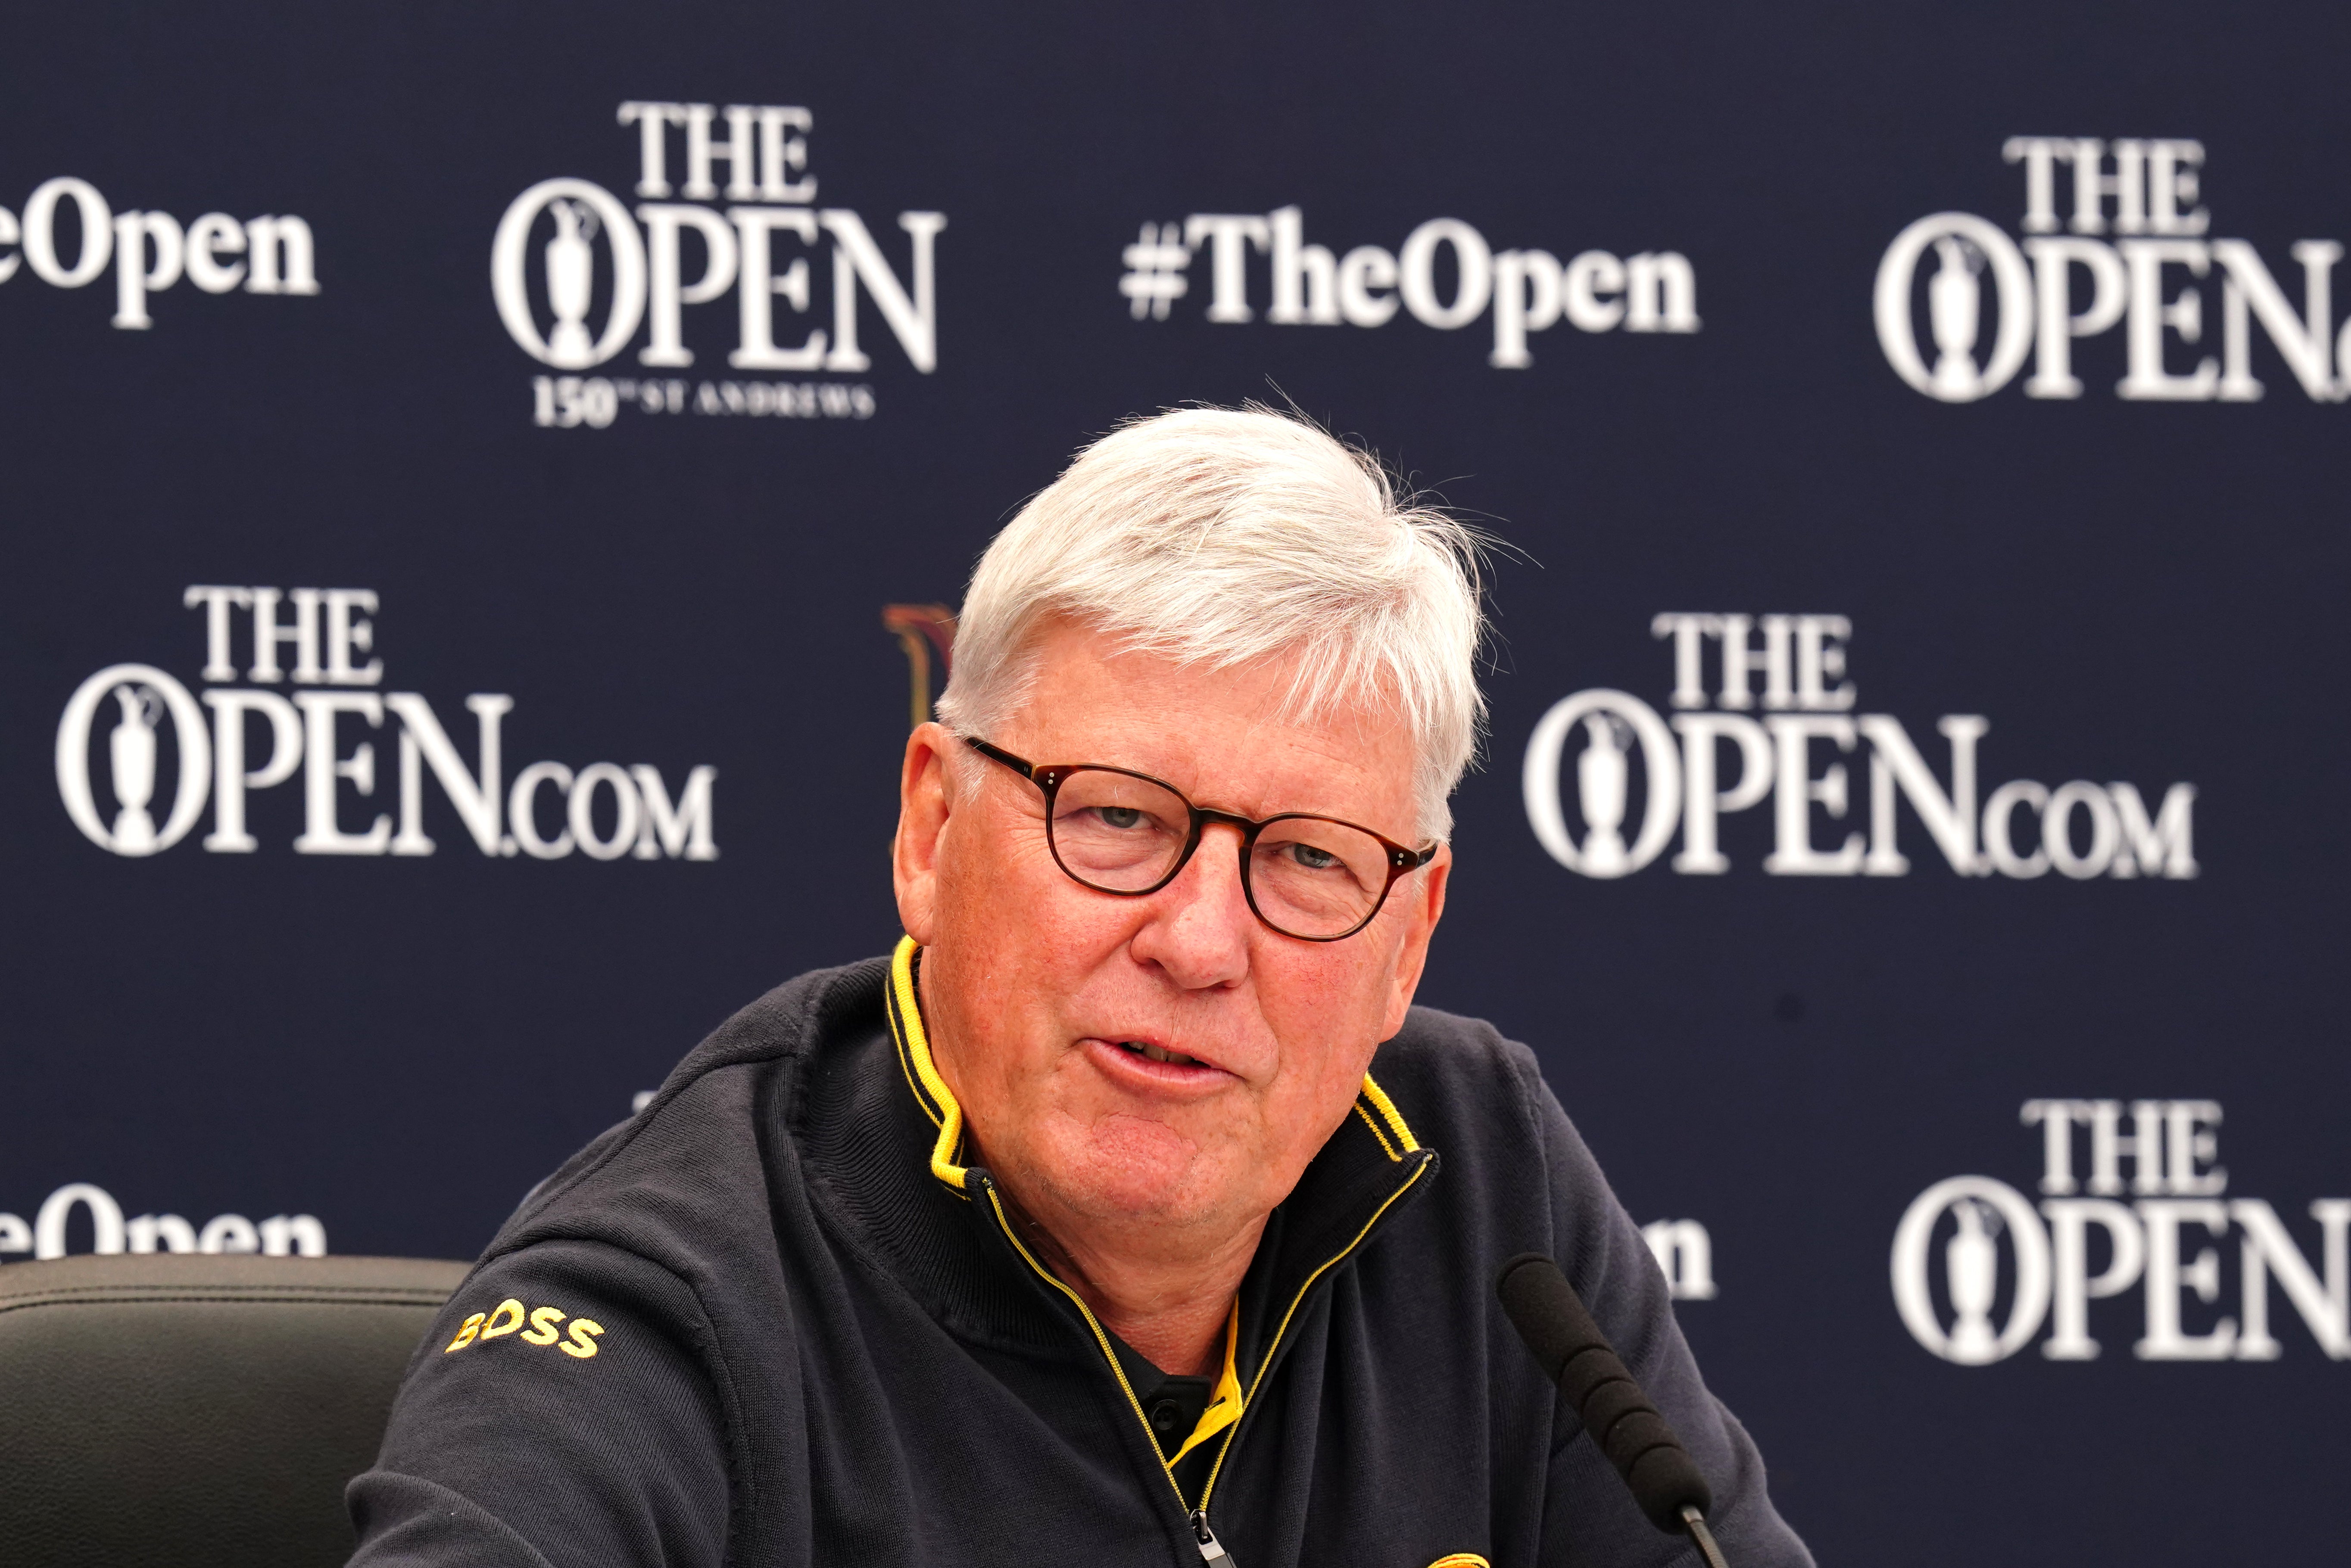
[(1225, 1405), (931, 1091)]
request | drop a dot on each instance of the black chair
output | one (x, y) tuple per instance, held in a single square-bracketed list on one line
[(194, 1410)]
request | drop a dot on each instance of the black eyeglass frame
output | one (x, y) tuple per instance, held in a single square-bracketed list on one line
[(1048, 777)]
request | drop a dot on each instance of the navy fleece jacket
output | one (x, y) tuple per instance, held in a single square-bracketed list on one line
[(771, 1320)]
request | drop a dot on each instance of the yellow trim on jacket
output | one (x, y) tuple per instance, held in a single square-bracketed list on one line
[(1226, 1403), (914, 1052)]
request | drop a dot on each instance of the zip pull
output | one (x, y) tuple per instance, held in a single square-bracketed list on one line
[(1212, 1550)]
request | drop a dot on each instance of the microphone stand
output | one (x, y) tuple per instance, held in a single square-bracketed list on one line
[(1695, 1523)]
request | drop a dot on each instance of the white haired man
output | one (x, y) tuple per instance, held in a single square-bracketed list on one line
[(1104, 1222)]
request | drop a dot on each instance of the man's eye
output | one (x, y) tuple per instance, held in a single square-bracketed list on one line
[(1118, 816), (1313, 859)]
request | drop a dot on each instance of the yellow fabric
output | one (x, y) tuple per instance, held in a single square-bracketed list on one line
[(1378, 1096), (1225, 1405), (909, 1017), (1461, 1560)]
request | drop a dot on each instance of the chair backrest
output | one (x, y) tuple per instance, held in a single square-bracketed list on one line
[(195, 1410)]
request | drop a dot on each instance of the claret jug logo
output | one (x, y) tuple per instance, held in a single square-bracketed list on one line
[(1674, 771), (1444, 275), (1978, 1268), (139, 732), (576, 272), (2130, 250)]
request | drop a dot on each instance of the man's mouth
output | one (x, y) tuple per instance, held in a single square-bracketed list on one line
[(1157, 1053)]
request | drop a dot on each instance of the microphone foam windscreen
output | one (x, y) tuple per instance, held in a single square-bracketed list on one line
[(1542, 1306), (1567, 1344)]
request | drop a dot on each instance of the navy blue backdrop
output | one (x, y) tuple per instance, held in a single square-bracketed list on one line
[(1915, 704)]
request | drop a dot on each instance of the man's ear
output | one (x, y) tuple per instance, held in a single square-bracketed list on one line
[(925, 801), (1426, 906)]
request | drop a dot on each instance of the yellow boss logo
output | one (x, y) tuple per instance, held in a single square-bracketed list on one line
[(511, 1314)]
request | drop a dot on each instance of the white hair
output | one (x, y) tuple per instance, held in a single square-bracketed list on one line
[(1219, 537)]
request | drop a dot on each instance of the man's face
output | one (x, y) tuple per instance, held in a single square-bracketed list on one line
[(1038, 991)]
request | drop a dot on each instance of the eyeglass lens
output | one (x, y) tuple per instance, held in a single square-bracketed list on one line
[(1124, 835)]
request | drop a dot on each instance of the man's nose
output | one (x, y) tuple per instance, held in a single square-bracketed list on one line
[(1200, 924)]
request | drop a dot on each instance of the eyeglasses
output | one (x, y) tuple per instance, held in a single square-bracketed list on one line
[(1124, 833)]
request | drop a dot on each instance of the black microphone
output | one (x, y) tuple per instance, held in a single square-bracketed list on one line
[(1572, 1351)]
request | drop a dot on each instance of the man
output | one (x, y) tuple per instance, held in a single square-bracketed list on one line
[(1105, 1223)]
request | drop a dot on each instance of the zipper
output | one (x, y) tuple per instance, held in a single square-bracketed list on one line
[(1212, 1550)]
